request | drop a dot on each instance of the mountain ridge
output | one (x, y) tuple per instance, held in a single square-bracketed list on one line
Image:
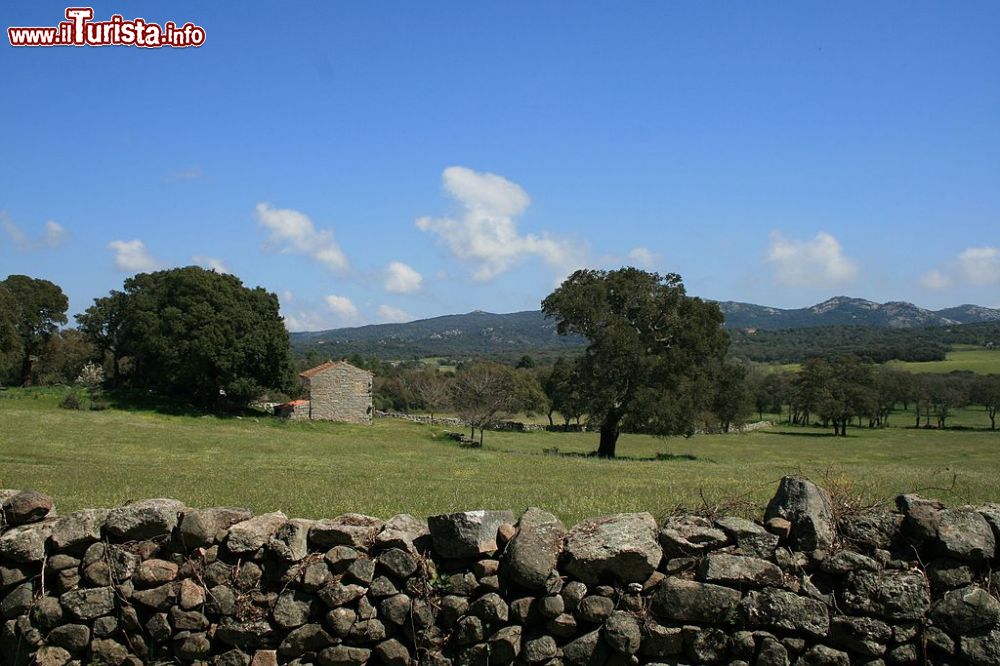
[(480, 333)]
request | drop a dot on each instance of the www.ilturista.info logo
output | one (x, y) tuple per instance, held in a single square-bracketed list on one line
[(80, 30)]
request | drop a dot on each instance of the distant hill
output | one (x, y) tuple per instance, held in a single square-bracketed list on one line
[(844, 311), (504, 336)]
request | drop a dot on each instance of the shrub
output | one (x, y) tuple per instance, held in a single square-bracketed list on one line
[(71, 401)]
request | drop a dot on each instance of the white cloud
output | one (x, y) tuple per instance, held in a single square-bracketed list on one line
[(980, 265), (817, 262), (293, 232), (132, 256), (642, 257), (212, 264), (392, 315), (935, 279), (304, 321), (53, 235), (487, 236), (342, 307), (402, 279)]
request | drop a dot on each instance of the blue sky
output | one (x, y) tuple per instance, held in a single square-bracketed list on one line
[(382, 161)]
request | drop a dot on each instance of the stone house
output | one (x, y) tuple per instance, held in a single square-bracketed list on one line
[(338, 391)]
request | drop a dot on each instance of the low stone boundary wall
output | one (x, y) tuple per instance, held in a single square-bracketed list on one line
[(156, 582)]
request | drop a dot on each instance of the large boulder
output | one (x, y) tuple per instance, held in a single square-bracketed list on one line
[(964, 534), (690, 536), (533, 553), (740, 571), (679, 600), (619, 548), (27, 506), (25, 543), (351, 529), (920, 516), (404, 532), (144, 519), (871, 530), (79, 529), (252, 534), (809, 510), (967, 609), (200, 528), (891, 595), (467, 534), (772, 608)]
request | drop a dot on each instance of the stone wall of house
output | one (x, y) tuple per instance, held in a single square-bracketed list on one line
[(341, 393), (155, 582)]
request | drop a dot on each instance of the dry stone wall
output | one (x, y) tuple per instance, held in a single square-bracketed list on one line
[(156, 582)]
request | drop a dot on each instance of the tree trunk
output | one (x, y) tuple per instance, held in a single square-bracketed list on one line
[(609, 437), (551, 422), (26, 370)]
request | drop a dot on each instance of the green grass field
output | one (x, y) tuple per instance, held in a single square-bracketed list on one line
[(104, 458), (980, 361)]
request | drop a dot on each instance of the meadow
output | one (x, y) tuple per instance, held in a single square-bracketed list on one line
[(977, 360), (105, 458)]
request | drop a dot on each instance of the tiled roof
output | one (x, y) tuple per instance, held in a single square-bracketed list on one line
[(323, 367)]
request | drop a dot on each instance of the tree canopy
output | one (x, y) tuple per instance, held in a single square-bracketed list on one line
[(649, 346), (194, 333), (33, 309)]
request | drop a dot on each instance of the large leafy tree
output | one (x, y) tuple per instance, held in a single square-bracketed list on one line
[(36, 308), (650, 346), (195, 333)]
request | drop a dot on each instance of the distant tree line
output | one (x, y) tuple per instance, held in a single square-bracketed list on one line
[(839, 392)]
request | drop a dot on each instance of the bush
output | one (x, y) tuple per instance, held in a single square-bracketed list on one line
[(71, 401), (99, 405)]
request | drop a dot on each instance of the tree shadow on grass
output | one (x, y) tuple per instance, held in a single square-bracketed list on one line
[(659, 457), (820, 435)]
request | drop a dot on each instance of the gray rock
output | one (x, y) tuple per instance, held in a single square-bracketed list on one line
[(337, 594), (200, 528), (739, 571), (490, 608), (682, 600), (937, 639), (890, 595), (392, 653), (690, 536), (469, 630), (750, 538), (920, 520), (25, 543), (872, 530), (154, 572), (396, 609), (144, 519), (344, 655), (533, 553), (622, 633), (772, 653), (339, 558), (539, 650), (807, 507), (505, 646), (965, 610), (595, 609), (399, 563), (192, 646), (622, 548), (89, 604), (351, 529), (551, 606), (562, 626), (307, 638), (706, 646), (221, 600), (404, 532), (662, 642), (947, 574), (158, 598), (587, 650), (467, 534), (105, 626), (290, 542), (188, 620), (573, 593), (16, 601), (772, 608), (293, 609), (51, 655), (72, 637), (12, 574), (252, 534), (27, 506), (821, 655), (48, 614), (965, 535), (864, 635), (846, 561), (981, 649), (361, 571)]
